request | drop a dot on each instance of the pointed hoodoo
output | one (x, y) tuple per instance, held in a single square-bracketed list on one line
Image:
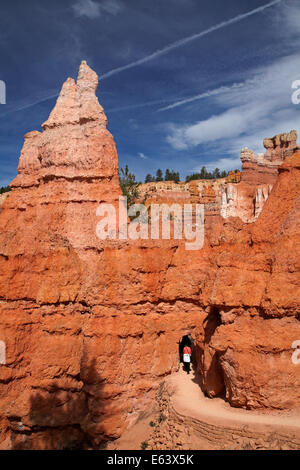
[(77, 102), (75, 142)]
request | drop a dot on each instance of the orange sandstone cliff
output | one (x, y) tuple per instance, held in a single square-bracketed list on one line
[(92, 327)]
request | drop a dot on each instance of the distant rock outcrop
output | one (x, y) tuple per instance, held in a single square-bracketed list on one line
[(91, 327), (240, 194)]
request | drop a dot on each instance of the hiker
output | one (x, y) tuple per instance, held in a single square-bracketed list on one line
[(187, 352)]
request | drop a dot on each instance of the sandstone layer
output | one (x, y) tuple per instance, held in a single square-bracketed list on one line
[(91, 327), (240, 195), (187, 420)]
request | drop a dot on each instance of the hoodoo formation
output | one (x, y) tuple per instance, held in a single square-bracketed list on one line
[(240, 195), (92, 328)]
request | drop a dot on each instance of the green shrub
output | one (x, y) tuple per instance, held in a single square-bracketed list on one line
[(144, 445)]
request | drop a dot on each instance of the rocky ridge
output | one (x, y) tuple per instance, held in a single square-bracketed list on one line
[(92, 327)]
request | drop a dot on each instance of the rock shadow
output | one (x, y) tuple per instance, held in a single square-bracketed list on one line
[(208, 372), (61, 415)]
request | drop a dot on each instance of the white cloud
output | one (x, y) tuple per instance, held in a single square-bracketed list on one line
[(261, 108), (92, 9), (227, 164), (177, 138), (111, 6), (143, 156), (87, 8), (232, 123)]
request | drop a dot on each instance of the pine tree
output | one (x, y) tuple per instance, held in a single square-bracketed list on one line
[(176, 177), (216, 173), (203, 173), (149, 178), (129, 186), (159, 175), (168, 175), (5, 189)]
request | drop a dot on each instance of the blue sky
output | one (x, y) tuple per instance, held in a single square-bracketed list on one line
[(184, 83)]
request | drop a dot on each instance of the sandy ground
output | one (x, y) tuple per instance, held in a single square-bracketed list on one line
[(135, 435), (189, 400)]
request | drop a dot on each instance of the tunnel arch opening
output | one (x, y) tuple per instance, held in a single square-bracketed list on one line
[(186, 340)]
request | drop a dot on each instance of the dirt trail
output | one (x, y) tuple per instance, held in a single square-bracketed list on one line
[(188, 399), (193, 421), (186, 419)]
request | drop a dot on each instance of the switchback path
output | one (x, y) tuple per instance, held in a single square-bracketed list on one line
[(190, 400)]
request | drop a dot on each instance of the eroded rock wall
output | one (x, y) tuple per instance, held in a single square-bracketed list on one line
[(91, 327), (240, 195), (88, 330), (256, 293)]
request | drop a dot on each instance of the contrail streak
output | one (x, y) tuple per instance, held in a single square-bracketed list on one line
[(188, 39), (21, 107), (139, 105), (207, 94), (28, 105), (175, 103)]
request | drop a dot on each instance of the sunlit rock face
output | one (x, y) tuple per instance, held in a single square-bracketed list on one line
[(240, 194), (92, 327), (256, 292), (259, 173)]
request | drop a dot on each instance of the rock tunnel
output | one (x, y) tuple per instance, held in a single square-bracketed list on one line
[(187, 340), (206, 360)]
